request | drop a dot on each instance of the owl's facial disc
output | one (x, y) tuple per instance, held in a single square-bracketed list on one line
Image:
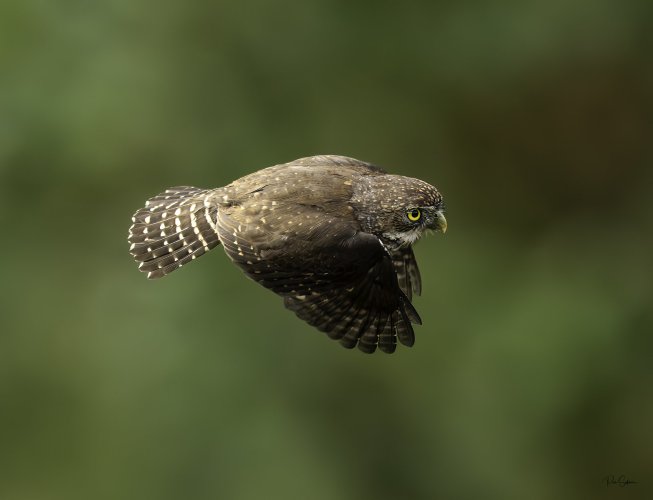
[(410, 224), (428, 217)]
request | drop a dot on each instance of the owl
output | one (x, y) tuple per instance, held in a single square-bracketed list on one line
[(331, 235)]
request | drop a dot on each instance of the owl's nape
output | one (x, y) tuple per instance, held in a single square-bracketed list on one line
[(331, 235)]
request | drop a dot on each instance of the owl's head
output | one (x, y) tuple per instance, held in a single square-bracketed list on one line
[(399, 209)]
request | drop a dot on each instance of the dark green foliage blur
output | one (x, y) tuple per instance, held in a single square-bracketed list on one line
[(532, 376)]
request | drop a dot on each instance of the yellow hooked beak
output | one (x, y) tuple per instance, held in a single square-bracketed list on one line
[(441, 221)]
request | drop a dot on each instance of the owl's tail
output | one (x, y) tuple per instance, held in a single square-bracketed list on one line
[(173, 228)]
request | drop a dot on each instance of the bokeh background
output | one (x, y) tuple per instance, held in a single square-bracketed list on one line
[(532, 375)]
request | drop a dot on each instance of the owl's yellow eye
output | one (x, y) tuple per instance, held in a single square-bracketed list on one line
[(414, 215)]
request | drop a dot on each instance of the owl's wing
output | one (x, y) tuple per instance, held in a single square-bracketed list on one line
[(337, 279), (407, 271), (361, 303)]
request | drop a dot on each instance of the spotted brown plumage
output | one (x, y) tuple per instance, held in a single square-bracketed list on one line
[(331, 235)]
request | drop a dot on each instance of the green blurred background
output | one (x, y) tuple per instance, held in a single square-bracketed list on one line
[(533, 372)]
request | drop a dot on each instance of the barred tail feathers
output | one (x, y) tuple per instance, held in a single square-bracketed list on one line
[(173, 228)]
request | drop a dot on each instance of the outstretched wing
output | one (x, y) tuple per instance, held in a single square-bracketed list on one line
[(334, 277), (372, 312)]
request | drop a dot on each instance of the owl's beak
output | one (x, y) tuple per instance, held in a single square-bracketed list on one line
[(440, 222)]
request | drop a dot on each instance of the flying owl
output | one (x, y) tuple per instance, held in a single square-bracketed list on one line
[(331, 235)]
